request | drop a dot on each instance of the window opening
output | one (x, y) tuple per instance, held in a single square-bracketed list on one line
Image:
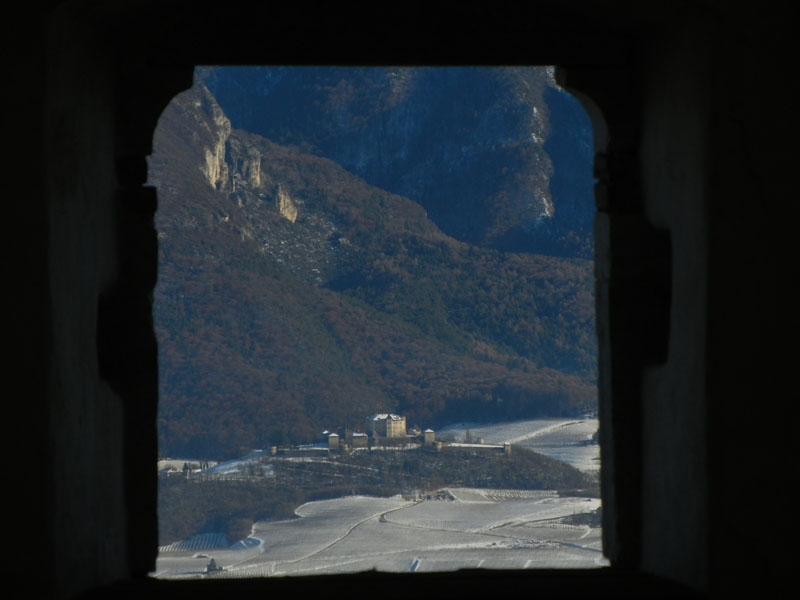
[(375, 319)]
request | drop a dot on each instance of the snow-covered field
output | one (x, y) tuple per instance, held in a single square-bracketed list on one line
[(562, 439), (493, 529), (478, 529)]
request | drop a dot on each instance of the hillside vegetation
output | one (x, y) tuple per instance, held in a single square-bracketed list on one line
[(294, 297)]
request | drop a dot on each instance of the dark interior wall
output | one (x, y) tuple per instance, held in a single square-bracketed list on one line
[(675, 159), (752, 322), (716, 166), (28, 324), (694, 266), (85, 416)]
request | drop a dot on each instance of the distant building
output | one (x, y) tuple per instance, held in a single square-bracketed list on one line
[(333, 441), (213, 567), (386, 425), (428, 436)]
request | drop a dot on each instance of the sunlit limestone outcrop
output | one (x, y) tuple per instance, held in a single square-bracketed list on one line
[(229, 164), (212, 176), (251, 168), (218, 127), (286, 205), (243, 162)]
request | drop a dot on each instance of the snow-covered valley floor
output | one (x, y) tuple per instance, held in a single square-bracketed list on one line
[(357, 533), (492, 529)]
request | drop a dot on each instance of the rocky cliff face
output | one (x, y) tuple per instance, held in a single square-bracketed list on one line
[(247, 188), (474, 147)]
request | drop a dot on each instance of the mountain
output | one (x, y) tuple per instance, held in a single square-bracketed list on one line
[(499, 157), (295, 296)]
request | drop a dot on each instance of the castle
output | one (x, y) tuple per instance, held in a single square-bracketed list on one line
[(386, 425), (379, 427)]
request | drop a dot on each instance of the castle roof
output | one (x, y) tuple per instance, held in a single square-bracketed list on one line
[(385, 417)]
